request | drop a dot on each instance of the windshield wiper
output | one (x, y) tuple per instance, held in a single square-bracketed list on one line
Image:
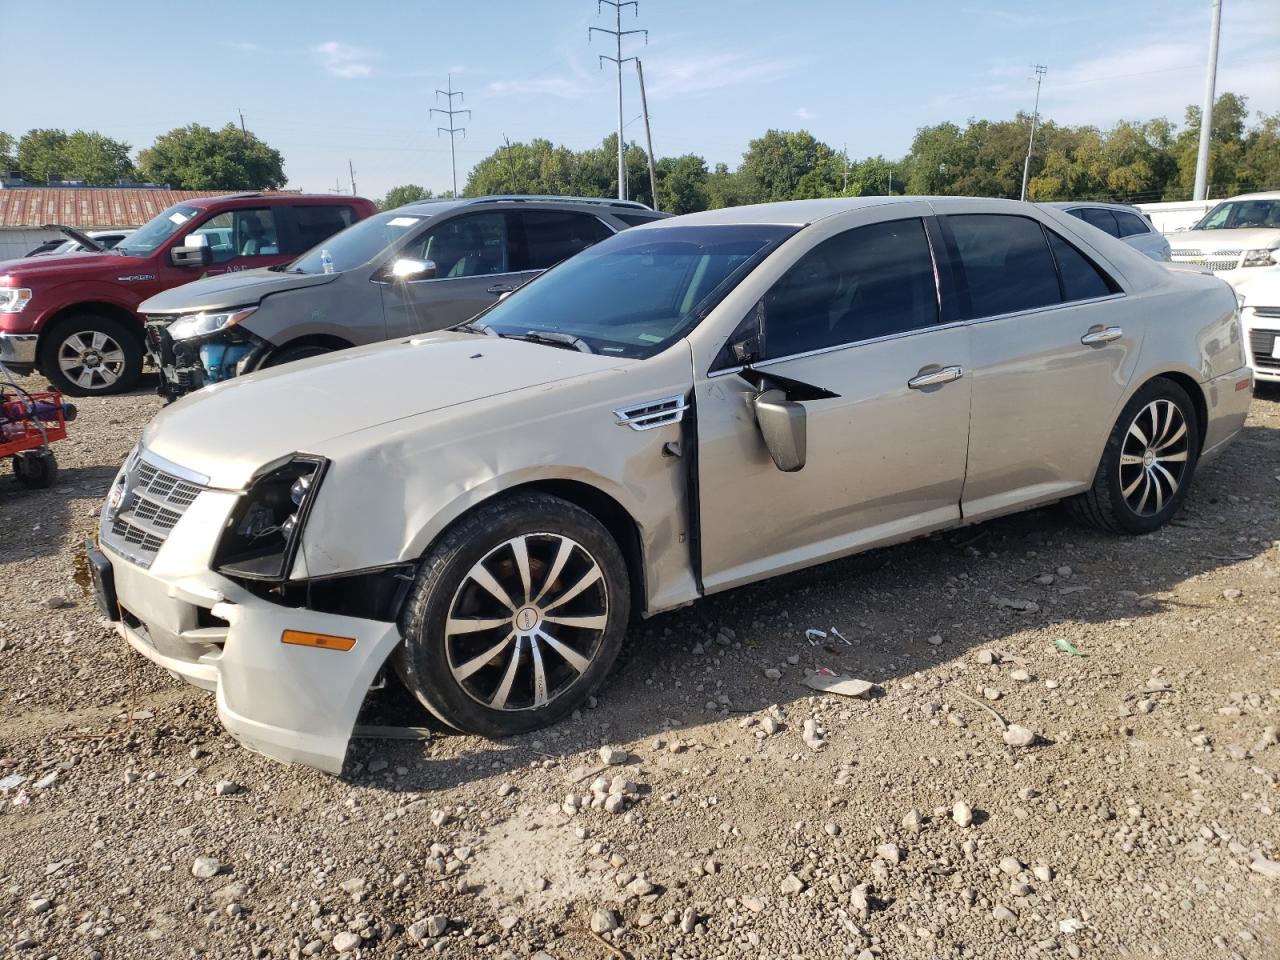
[(565, 341), (475, 326)]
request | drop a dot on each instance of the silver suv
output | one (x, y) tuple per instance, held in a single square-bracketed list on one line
[(421, 267)]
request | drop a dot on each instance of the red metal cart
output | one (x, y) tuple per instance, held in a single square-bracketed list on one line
[(29, 422)]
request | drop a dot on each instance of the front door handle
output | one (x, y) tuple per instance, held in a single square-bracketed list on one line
[(1105, 335), (935, 377), (499, 288)]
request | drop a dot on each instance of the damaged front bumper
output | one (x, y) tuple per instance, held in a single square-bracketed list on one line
[(189, 364), (290, 664)]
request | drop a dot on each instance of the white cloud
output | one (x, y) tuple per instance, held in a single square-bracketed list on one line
[(343, 60), (804, 113), (685, 76), (244, 46)]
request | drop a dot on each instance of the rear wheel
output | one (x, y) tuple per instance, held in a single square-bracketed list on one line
[(517, 615), (91, 355), (1148, 463)]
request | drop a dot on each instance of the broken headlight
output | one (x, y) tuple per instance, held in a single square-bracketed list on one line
[(261, 535), (203, 324)]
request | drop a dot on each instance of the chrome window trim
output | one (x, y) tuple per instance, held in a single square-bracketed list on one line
[(900, 335), (1047, 307)]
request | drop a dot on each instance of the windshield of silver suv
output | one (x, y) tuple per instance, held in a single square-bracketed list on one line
[(157, 231), (635, 293), (360, 243), (1241, 214)]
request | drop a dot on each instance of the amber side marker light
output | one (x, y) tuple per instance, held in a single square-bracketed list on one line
[(322, 641), (1243, 385)]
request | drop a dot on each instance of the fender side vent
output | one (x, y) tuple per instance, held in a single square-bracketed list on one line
[(654, 413)]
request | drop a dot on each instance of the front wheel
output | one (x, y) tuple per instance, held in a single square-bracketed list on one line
[(90, 355), (1147, 465), (516, 616)]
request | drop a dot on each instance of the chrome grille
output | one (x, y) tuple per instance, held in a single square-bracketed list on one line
[(1214, 260), (150, 504), (1261, 344)]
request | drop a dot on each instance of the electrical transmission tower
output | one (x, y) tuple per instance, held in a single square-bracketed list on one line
[(451, 130), (1040, 70), (618, 33)]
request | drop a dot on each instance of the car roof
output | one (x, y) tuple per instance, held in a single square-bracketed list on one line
[(1265, 195), (241, 199), (440, 204), (789, 212), (1101, 204)]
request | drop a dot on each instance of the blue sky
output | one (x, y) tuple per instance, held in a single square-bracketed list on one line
[(326, 81)]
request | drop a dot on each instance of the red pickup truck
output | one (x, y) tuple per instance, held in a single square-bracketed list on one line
[(74, 318)]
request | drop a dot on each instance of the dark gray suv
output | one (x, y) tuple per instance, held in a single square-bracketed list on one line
[(420, 267)]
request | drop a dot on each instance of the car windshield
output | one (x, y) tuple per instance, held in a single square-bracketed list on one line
[(637, 292), (146, 239), (1242, 214), (361, 242)]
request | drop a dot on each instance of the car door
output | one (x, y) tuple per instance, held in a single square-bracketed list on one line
[(471, 253), (1054, 344), (854, 334)]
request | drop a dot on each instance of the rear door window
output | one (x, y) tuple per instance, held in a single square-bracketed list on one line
[(1130, 225), (315, 223), (545, 237), (1005, 263), (1082, 279), (864, 283), (1104, 220)]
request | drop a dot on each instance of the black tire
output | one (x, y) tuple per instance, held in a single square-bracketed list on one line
[(36, 469), (98, 376), (444, 585), (289, 354), (1105, 505)]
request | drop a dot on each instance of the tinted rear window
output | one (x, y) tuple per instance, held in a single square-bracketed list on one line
[(1081, 279), (315, 223), (1005, 262), (1104, 220), (1130, 225)]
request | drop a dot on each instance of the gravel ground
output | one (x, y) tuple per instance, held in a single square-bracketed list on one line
[(735, 812)]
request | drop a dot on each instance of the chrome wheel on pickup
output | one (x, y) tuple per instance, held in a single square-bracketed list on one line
[(516, 616), (90, 355)]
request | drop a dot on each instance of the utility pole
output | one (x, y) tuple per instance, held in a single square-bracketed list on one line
[(1040, 70), (618, 33), (352, 172), (844, 152), (648, 137), (243, 132), (1206, 111), (449, 94), (511, 166)]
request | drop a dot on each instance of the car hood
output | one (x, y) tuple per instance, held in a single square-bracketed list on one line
[(1211, 241), (238, 289), (69, 266), (228, 431)]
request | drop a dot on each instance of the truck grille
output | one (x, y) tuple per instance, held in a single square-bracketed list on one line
[(1261, 343), (150, 505), (1216, 260)]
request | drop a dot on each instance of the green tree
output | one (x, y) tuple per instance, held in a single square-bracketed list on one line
[(1260, 166), (198, 158), (790, 165), (406, 193), (682, 183), (8, 152), (82, 155)]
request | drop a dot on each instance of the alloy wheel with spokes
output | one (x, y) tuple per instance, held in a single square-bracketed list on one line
[(91, 359), (526, 621), (1153, 457), (516, 616)]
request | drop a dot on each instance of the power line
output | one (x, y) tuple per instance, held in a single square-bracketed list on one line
[(618, 33), (450, 93), (1040, 70)]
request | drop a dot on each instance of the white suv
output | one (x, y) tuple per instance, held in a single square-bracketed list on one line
[(1235, 239)]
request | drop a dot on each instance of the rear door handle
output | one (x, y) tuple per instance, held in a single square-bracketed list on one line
[(936, 377), (500, 288), (1106, 335)]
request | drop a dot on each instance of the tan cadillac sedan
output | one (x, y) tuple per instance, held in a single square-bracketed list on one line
[(686, 407)]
